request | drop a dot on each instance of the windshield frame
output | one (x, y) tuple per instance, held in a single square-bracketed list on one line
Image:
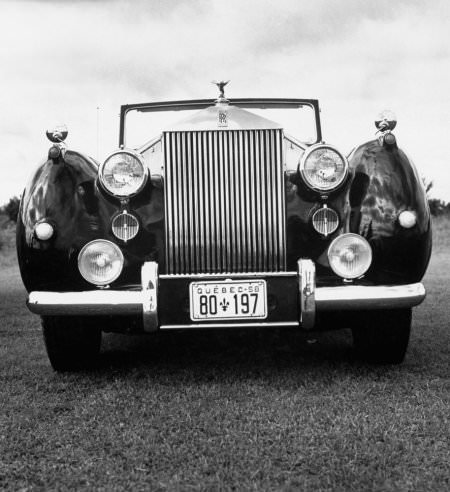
[(261, 103)]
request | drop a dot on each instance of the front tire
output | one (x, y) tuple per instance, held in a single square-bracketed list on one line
[(382, 337), (72, 343)]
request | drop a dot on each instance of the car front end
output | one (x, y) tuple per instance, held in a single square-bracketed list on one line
[(224, 220)]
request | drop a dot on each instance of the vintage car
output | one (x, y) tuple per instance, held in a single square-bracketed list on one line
[(224, 219)]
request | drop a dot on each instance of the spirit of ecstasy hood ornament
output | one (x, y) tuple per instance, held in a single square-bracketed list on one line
[(221, 85)]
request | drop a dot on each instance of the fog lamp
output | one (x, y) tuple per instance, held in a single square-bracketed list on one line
[(325, 220), (407, 219), (100, 262), (43, 231), (350, 256), (125, 226)]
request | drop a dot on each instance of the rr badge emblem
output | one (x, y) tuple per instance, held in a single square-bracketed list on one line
[(222, 118)]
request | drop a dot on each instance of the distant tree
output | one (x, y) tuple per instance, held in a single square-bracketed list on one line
[(11, 209), (437, 206), (427, 184)]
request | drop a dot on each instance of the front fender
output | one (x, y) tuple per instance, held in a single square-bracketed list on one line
[(386, 183), (65, 194), (62, 193)]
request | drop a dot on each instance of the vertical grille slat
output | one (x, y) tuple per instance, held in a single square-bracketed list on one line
[(224, 201)]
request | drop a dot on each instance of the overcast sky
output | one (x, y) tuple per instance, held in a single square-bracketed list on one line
[(62, 59)]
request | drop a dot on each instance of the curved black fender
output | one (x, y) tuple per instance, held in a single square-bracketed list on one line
[(386, 183), (64, 193)]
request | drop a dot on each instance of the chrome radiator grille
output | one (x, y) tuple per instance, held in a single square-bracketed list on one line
[(224, 201)]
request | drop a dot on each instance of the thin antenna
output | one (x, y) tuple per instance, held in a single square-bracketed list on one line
[(98, 130)]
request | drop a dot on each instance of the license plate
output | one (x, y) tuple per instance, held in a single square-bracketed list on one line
[(231, 299)]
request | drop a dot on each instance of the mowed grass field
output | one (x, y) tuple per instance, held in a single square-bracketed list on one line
[(240, 410)]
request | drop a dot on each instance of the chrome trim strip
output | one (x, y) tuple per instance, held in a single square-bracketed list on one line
[(234, 203), (250, 198), (90, 303), (213, 190), (264, 222), (361, 297), (223, 162), (270, 204), (259, 219), (243, 263), (230, 325), (197, 197), (205, 181), (184, 212), (190, 210), (227, 275), (168, 214), (281, 204), (149, 276), (307, 286)]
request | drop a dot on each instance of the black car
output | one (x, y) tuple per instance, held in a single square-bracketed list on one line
[(224, 219)]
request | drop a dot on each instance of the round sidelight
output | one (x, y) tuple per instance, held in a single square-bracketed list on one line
[(43, 231), (323, 168), (100, 262), (125, 226), (123, 174), (350, 256), (407, 219)]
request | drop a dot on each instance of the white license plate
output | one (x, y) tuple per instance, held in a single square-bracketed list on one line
[(230, 299)]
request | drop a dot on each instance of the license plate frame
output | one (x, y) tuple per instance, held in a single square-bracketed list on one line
[(235, 306)]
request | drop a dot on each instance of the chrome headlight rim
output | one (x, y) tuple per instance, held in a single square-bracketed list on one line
[(322, 190), (358, 238), (139, 158), (115, 247)]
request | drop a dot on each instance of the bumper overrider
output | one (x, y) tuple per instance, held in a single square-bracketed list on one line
[(294, 298)]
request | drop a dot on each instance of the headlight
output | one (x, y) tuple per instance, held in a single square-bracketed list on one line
[(100, 262), (350, 256), (323, 168), (123, 173)]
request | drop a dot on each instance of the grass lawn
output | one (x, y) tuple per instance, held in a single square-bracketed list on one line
[(242, 410)]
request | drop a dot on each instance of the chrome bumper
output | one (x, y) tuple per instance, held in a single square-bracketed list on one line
[(145, 301)]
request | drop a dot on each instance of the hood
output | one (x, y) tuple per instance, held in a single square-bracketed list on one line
[(223, 116)]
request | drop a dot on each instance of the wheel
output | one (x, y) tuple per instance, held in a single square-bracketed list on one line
[(72, 343), (382, 336)]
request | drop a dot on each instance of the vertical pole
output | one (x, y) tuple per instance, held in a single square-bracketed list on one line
[(98, 130)]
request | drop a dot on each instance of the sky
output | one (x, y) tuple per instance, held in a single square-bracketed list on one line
[(76, 61)]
